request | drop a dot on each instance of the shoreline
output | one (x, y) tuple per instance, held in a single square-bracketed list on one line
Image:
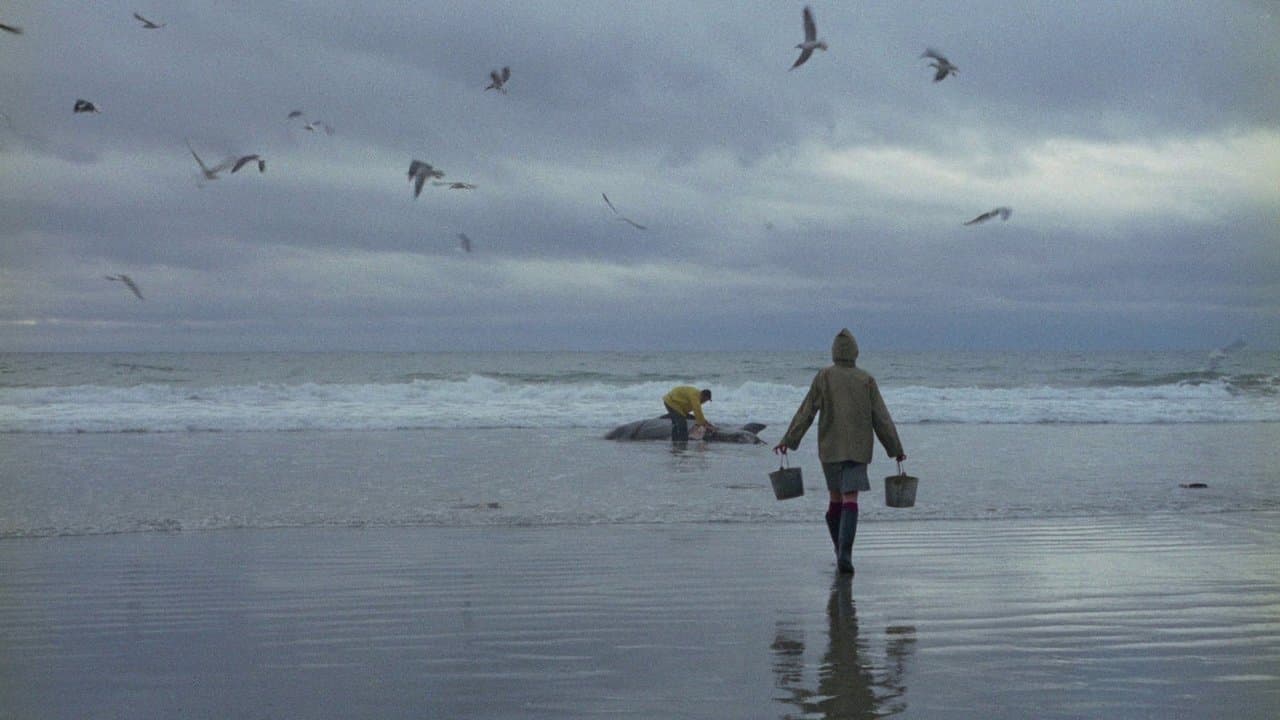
[(82, 484), (1157, 615), (1103, 517)]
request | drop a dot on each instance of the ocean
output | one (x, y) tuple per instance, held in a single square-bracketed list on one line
[(129, 443)]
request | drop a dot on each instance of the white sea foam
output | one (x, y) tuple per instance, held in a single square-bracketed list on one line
[(480, 401)]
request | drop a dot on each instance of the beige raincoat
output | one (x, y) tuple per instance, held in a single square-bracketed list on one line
[(849, 408)]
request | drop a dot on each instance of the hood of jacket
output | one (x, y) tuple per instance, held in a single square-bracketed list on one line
[(844, 349)]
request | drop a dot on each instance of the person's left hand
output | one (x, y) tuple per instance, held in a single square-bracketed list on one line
[(780, 449)]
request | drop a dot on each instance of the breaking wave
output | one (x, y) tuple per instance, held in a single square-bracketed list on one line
[(486, 401)]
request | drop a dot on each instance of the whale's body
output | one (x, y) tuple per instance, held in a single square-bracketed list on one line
[(659, 428)]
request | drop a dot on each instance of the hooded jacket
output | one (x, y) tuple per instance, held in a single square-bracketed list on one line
[(849, 408)]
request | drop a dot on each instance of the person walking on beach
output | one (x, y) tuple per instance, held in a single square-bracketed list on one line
[(682, 401), (849, 408)]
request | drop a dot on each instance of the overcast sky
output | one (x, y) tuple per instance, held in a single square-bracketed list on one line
[(1137, 143)]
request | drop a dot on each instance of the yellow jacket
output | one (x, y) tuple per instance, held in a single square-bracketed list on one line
[(686, 399)]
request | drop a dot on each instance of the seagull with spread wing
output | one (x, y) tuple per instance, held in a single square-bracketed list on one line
[(246, 159), (419, 173), (811, 41), (942, 64), (622, 218), (1217, 356), (128, 281), (147, 24), (1003, 212), (209, 173), (499, 80)]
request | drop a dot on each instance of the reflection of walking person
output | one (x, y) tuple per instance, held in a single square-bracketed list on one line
[(846, 685), (681, 402), (849, 409)]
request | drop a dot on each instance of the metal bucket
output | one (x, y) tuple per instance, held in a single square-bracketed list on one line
[(900, 489), (787, 481)]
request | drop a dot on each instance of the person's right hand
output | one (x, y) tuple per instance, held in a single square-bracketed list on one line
[(901, 457), (780, 449)]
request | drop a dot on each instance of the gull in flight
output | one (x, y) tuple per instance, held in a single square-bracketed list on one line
[(419, 173), (209, 173), (1217, 356), (129, 282), (622, 218), (464, 242), (943, 65), (1003, 212), (83, 106), (246, 159), (454, 185), (11, 29), (147, 24), (499, 80), (312, 125), (811, 40)]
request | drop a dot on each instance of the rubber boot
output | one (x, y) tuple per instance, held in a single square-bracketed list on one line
[(848, 530), (833, 525)]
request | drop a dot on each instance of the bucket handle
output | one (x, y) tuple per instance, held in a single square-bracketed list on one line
[(900, 468), (782, 460)]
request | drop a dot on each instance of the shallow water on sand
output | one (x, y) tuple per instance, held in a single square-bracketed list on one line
[(111, 483), (1162, 616)]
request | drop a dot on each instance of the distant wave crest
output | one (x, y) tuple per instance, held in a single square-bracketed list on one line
[(483, 401)]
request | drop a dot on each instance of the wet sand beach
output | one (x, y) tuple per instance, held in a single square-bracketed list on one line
[(1166, 615)]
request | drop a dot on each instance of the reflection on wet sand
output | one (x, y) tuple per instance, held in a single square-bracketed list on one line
[(848, 685)]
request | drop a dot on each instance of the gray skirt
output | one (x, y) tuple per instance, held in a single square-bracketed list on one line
[(846, 476)]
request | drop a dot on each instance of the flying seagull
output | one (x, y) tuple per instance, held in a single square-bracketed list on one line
[(295, 114), (129, 282), (499, 80), (83, 106), (209, 173), (1217, 356), (147, 24), (454, 185), (943, 65), (1003, 212), (11, 29), (419, 173), (622, 218), (811, 40), (246, 159), (464, 242), (320, 125)]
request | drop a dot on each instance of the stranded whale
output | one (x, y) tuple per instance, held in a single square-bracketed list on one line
[(659, 428)]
